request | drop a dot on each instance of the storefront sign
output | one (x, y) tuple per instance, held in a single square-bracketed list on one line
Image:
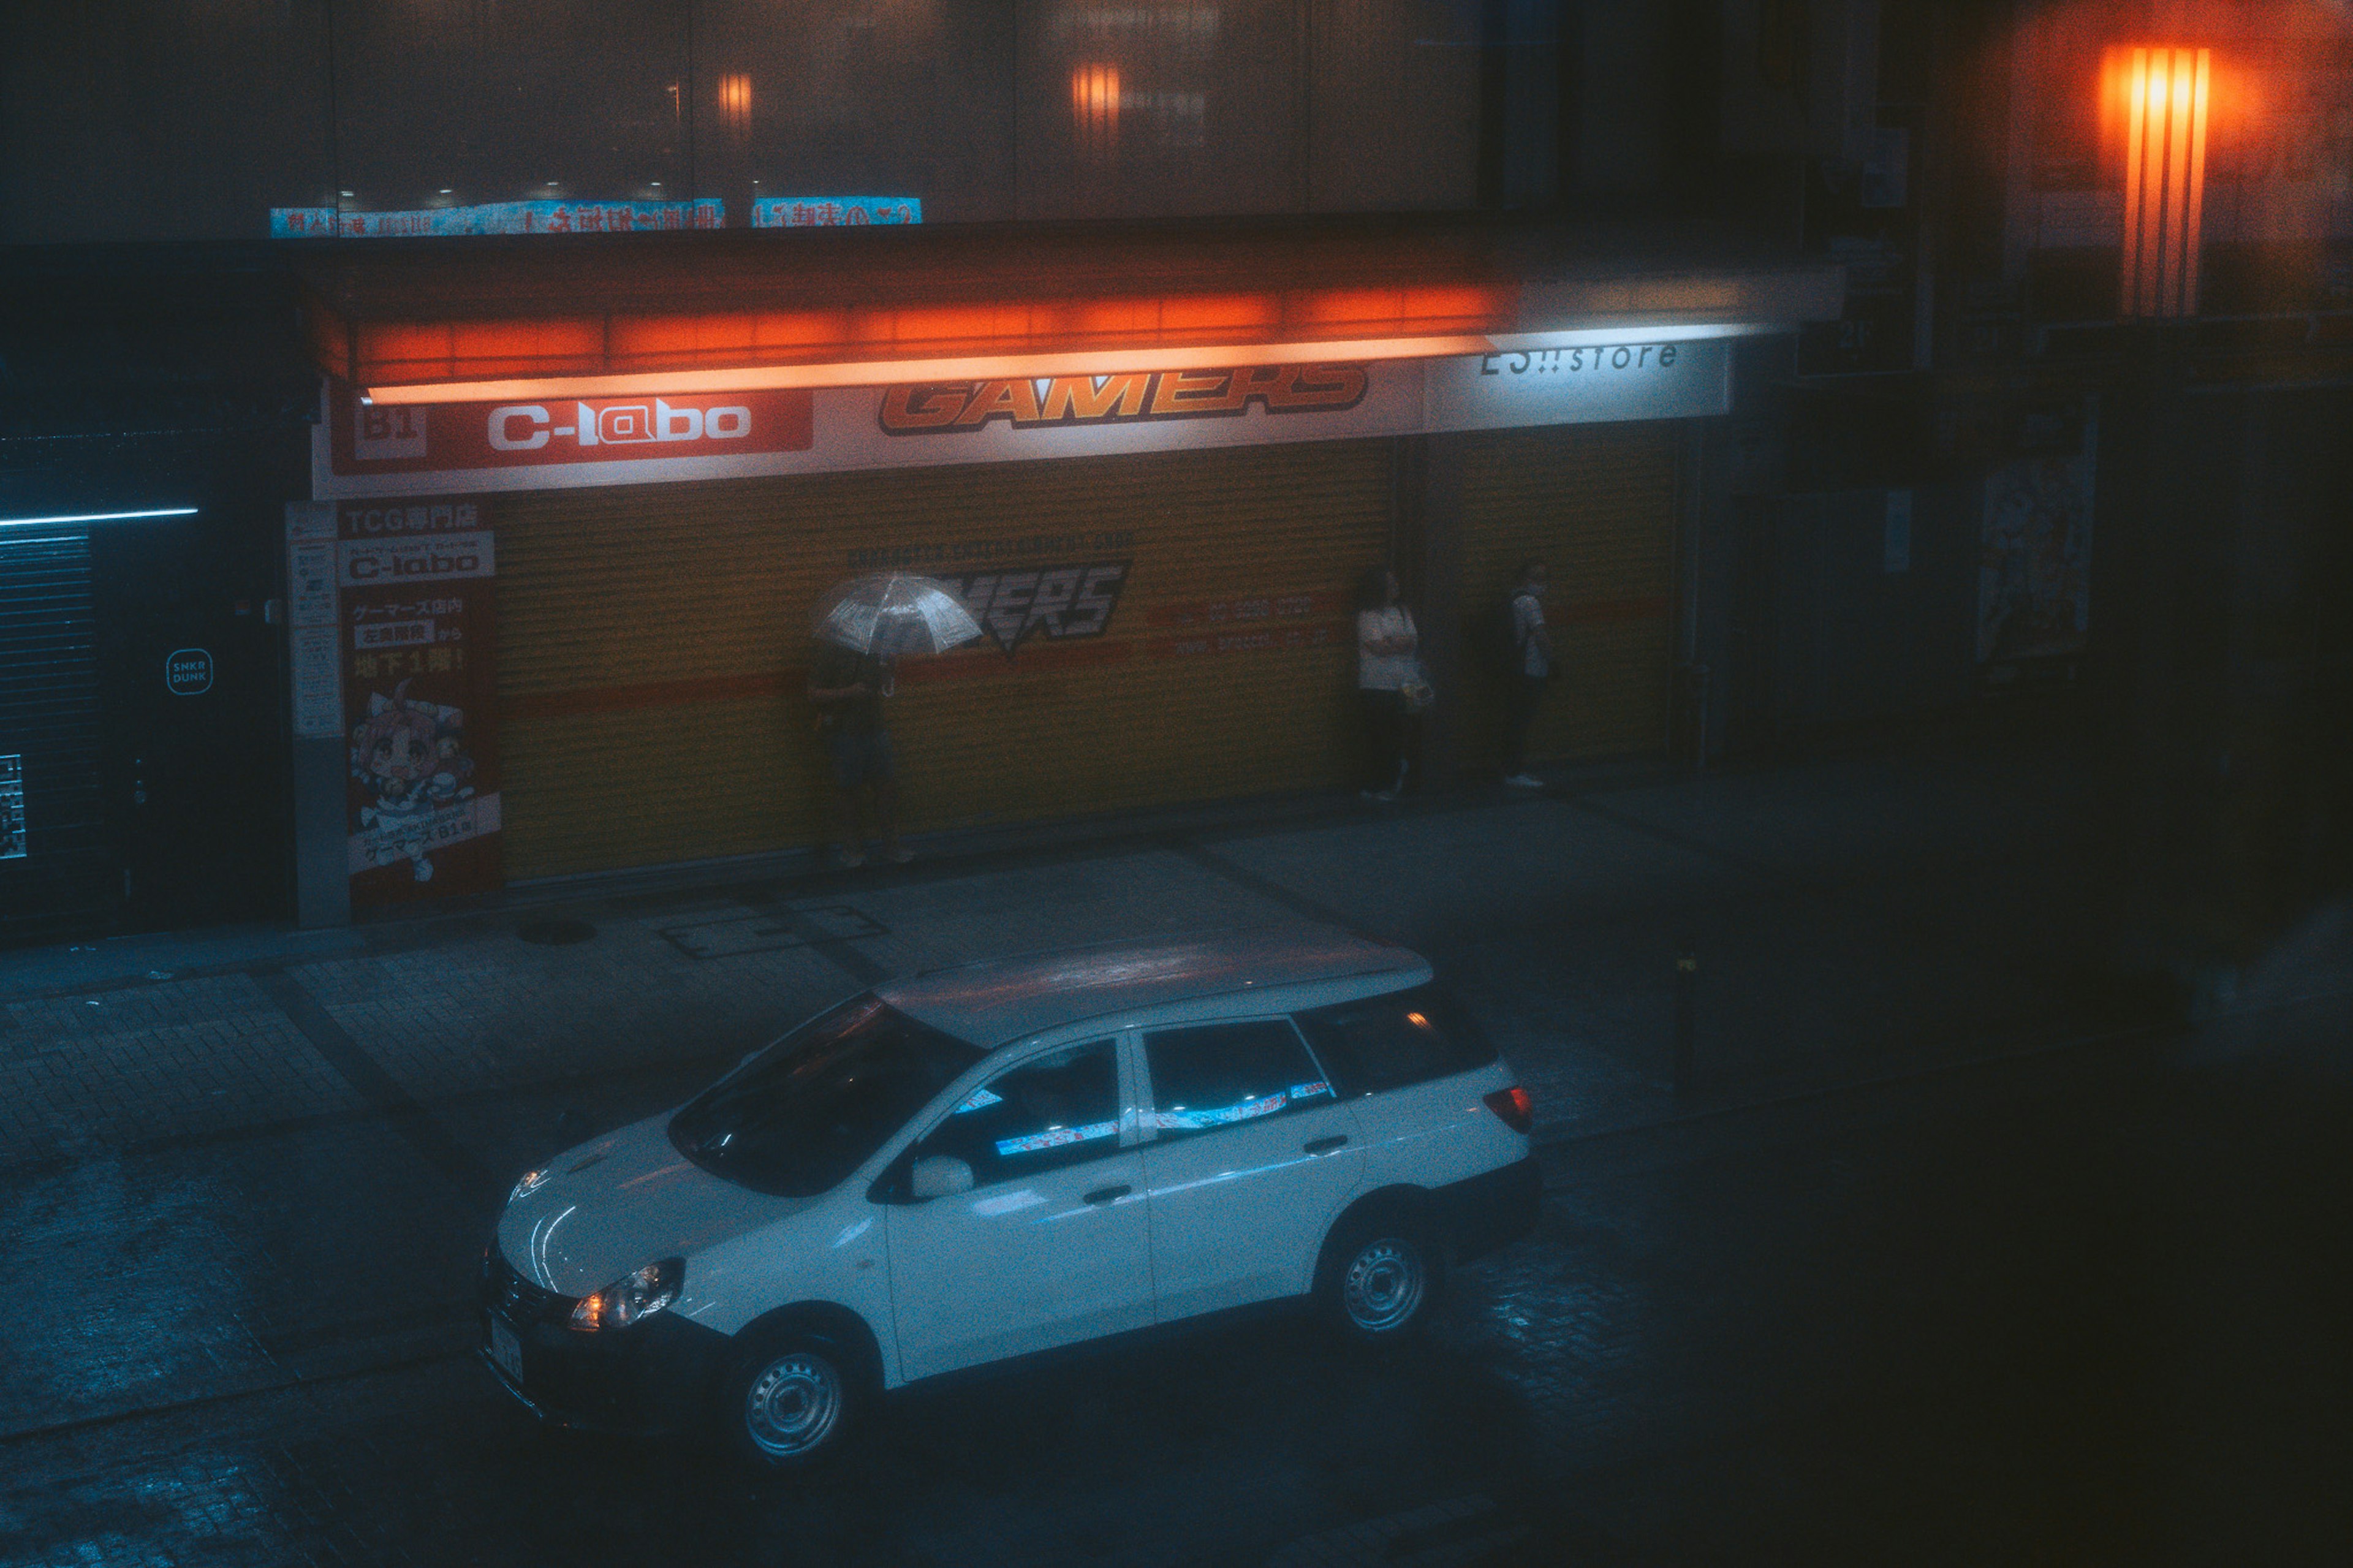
[(414, 438), (188, 671), (415, 635), (963, 407), (1575, 384), (313, 619), (500, 218), (364, 449), (12, 806), (828, 212)]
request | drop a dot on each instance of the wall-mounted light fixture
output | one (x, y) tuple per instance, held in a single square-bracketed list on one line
[(2164, 111), (736, 102), (1094, 111)]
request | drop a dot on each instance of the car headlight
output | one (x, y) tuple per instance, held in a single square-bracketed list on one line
[(532, 1181), (642, 1295)]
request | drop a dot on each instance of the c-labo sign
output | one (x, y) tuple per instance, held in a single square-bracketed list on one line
[(362, 449)]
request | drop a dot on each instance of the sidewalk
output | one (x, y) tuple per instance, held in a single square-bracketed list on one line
[(1914, 905)]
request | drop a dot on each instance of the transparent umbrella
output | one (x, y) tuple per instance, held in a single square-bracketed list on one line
[(893, 615)]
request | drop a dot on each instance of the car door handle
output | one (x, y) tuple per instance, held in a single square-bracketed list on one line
[(1108, 1195), (1321, 1145)]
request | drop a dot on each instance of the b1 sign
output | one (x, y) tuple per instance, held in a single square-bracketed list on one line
[(425, 438)]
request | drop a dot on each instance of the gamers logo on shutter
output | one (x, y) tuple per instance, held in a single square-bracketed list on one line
[(1057, 602)]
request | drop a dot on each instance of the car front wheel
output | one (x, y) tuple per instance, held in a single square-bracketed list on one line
[(1381, 1279), (790, 1401)]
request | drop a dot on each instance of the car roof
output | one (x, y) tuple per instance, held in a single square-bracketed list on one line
[(1000, 1000)]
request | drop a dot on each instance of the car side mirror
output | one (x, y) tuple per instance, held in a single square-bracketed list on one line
[(938, 1176)]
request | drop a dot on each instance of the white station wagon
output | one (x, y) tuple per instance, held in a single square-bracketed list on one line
[(1005, 1158)]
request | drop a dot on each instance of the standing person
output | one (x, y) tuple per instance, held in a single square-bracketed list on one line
[(849, 689), (1531, 669), (1386, 643)]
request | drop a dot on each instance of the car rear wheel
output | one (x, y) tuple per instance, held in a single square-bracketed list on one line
[(1381, 1277), (790, 1401)]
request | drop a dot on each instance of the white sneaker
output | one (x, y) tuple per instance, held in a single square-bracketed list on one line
[(1525, 780)]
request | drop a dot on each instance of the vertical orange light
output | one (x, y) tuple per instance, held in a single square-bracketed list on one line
[(2165, 180), (736, 102), (1095, 109)]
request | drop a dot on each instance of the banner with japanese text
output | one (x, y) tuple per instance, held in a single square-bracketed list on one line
[(418, 631)]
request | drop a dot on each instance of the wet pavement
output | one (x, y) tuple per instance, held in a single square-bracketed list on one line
[(1952, 1257)]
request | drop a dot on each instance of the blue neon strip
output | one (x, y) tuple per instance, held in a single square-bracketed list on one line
[(96, 517), (978, 1100)]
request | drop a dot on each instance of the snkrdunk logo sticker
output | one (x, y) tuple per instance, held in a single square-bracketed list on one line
[(956, 407)]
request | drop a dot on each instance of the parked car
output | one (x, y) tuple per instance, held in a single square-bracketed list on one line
[(1005, 1158)]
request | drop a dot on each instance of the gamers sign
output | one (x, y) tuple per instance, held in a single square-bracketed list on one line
[(961, 407)]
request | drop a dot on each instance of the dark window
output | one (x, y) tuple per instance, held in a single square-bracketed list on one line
[(803, 1113), (1214, 1075), (1388, 1042), (1051, 1112)]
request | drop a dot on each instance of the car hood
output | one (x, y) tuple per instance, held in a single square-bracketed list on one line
[(620, 1202)]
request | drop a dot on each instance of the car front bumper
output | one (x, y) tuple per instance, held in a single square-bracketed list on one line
[(653, 1378)]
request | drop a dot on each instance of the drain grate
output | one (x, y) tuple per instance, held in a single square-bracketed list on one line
[(802, 925)]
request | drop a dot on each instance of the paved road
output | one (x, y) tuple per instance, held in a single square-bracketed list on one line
[(2083, 1307), (2056, 1284)]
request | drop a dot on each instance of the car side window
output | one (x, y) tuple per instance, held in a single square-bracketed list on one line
[(1210, 1076), (1053, 1110), (1388, 1042)]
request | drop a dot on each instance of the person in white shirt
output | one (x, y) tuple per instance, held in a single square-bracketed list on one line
[(1532, 640), (1386, 641)]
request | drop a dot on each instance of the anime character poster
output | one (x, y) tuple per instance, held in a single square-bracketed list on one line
[(422, 780), (2034, 564)]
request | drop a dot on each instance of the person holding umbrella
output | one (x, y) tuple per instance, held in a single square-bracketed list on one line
[(861, 629)]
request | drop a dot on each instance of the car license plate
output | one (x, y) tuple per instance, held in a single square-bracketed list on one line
[(507, 1351)]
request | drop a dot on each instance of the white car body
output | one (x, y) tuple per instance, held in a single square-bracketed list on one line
[(1153, 1229)]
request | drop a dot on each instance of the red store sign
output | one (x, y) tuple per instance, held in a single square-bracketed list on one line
[(380, 438)]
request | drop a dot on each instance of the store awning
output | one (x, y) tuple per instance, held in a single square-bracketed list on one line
[(552, 316)]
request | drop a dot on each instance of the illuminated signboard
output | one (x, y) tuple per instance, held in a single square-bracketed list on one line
[(830, 212), (370, 449), (498, 217)]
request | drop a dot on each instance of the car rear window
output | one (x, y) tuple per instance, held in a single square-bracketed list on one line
[(1388, 1042)]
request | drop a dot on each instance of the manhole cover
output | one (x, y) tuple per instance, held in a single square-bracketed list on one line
[(556, 933)]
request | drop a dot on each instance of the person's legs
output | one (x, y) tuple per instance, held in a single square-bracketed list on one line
[(880, 773), (1382, 718), (1519, 716), (843, 752)]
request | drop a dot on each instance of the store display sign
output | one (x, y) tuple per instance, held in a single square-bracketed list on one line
[(378, 449), (371, 438), (832, 212), (414, 634), (2035, 555), (12, 806), (498, 217), (1574, 382)]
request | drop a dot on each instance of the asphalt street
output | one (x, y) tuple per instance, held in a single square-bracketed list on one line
[(1952, 1257)]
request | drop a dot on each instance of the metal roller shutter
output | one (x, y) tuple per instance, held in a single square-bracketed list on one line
[(653, 646), (56, 868), (1597, 503)]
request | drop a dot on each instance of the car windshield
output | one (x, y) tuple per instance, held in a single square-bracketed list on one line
[(802, 1114)]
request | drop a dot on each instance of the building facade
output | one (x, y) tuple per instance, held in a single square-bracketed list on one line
[(517, 374)]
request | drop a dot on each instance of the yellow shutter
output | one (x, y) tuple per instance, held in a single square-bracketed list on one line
[(653, 645), (1597, 504)]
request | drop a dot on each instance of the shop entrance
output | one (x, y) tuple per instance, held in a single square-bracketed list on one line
[(192, 758)]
